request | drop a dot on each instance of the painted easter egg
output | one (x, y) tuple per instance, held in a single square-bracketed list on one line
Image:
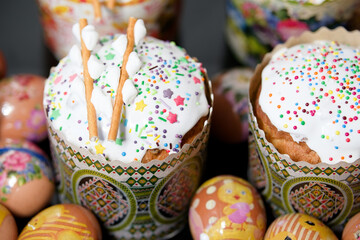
[(2, 65), (8, 227), (229, 121), (26, 178), (21, 109), (227, 207), (62, 221), (298, 226), (352, 228)]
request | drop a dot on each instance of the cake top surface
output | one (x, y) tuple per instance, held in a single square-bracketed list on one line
[(164, 96), (312, 91)]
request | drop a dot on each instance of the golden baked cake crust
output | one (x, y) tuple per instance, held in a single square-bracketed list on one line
[(281, 140)]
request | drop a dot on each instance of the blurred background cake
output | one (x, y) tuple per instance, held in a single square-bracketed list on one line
[(255, 27), (58, 17)]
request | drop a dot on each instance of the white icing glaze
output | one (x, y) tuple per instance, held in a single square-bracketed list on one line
[(168, 102), (95, 66), (75, 55), (120, 44), (90, 37), (139, 31), (312, 91), (129, 92)]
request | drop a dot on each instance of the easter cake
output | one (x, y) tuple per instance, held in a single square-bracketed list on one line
[(165, 96), (129, 119), (308, 102), (303, 114)]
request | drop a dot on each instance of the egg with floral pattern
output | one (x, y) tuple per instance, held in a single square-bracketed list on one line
[(227, 207), (26, 178), (21, 109)]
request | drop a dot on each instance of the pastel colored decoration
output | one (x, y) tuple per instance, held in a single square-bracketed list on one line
[(8, 227), (227, 207), (298, 226), (63, 221), (26, 178), (21, 109)]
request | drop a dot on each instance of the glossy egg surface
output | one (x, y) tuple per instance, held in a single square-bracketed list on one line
[(352, 228), (26, 178), (227, 207), (21, 109), (298, 226), (61, 222), (8, 227)]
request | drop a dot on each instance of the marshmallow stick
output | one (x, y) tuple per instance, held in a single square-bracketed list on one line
[(114, 127), (111, 4), (91, 114), (97, 9)]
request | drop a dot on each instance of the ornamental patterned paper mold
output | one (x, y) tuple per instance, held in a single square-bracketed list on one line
[(133, 201), (330, 193)]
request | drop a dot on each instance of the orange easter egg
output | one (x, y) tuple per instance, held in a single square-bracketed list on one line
[(298, 226), (26, 178), (227, 207), (352, 228), (62, 221), (21, 109), (8, 227)]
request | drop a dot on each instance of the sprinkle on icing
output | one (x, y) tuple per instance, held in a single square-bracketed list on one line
[(165, 97), (312, 91)]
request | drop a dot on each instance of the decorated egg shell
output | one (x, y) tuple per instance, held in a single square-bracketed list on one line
[(22, 115), (2, 65), (229, 121), (8, 227), (227, 207), (26, 178), (352, 228), (298, 226), (62, 221)]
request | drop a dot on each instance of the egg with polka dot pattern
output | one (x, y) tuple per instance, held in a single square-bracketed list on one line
[(227, 207)]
